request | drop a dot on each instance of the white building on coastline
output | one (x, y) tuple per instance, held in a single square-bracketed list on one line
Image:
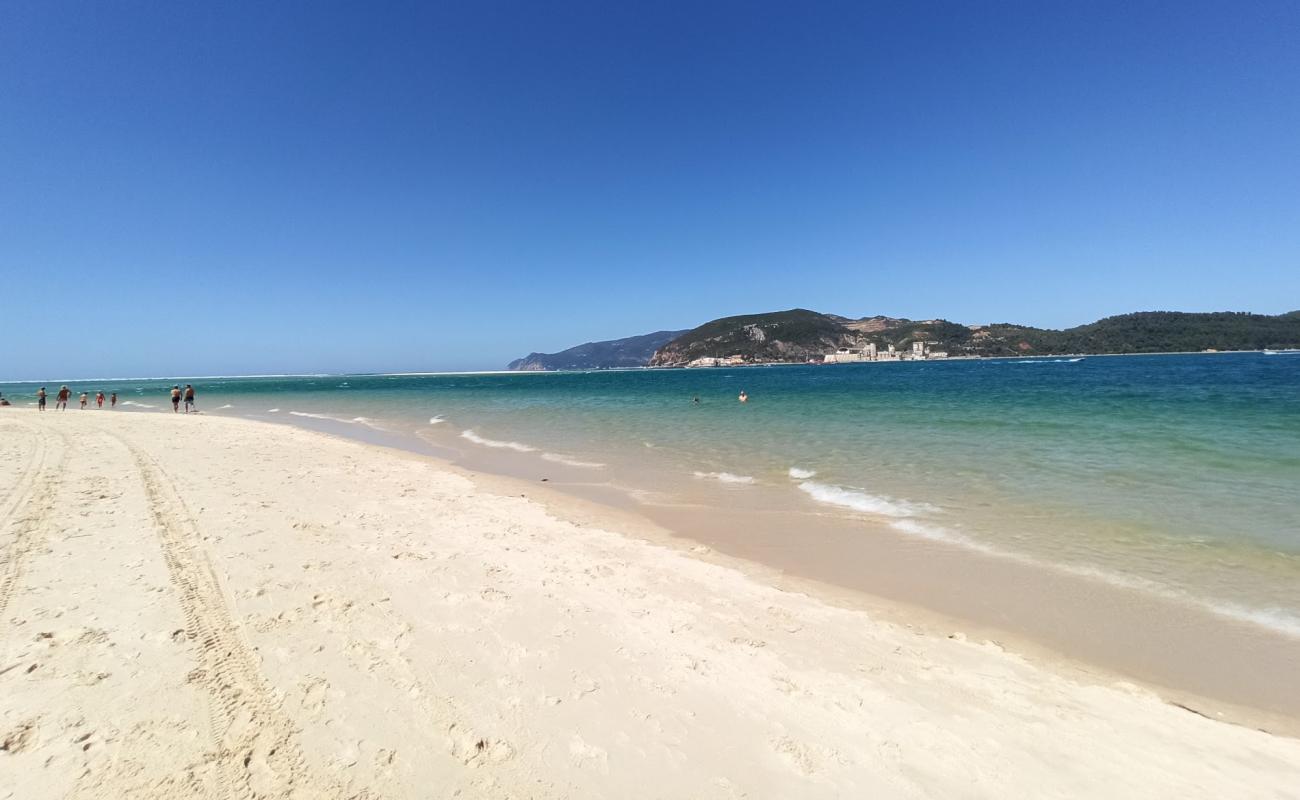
[(919, 352)]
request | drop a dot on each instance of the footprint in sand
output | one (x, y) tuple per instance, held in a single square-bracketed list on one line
[(20, 738), (588, 756), (313, 696)]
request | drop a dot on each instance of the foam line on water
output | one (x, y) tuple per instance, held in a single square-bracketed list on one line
[(861, 500), (137, 405), (518, 447), (799, 474), (367, 421), (571, 462), (1048, 361), (437, 420), (724, 477), (1276, 620)]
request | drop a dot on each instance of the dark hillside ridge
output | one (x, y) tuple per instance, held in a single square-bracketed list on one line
[(634, 351)]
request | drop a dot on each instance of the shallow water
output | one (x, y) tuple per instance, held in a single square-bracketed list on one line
[(1178, 476)]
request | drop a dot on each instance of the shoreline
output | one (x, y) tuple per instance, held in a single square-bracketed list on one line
[(194, 607), (612, 369), (1227, 668)]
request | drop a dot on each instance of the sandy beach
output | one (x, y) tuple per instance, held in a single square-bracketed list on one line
[(215, 607)]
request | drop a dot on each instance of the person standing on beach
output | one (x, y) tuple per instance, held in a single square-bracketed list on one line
[(61, 399), (189, 399), (113, 400), (40, 399), (99, 399), (176, 399), (84, 398)]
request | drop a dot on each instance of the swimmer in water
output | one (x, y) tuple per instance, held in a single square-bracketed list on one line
[(99, 399), (744, 398), (113, 400), (696, 401)]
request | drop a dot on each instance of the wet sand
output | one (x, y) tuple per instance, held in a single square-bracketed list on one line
[(209, 607), (1226, 668)]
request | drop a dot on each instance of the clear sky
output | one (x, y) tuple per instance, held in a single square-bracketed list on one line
[(197, 188)]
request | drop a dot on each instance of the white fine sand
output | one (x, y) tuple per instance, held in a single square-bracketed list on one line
[(206, 607)]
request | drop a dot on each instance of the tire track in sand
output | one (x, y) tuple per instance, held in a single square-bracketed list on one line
[(26, 508), (257, 749)]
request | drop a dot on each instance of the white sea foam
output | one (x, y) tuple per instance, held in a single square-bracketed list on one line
[(859, 500), (476, 439), (1048, 361), (571, 462), (1273, 619), (802, 474), (273, 411), (724, 477), (227, 405), (316, 416), (367, 421), (137, 405), (438, 420)]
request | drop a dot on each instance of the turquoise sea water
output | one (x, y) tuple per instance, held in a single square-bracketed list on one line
[(1178, 475)]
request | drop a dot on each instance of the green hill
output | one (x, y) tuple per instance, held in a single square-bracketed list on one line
[(799, 334)]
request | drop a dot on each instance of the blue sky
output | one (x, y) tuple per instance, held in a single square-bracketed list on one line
[(193, 188)]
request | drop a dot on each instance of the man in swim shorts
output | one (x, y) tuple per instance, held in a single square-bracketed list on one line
[(61, 399), (40, 399), (176, 399), (189, 399)]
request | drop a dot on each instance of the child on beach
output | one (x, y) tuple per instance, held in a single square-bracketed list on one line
[(176, 399), (84, 398), (113, 400), (99, 399), (189, 399)]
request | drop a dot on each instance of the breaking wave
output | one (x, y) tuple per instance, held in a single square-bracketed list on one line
[(859, 500), (571, 462), (801, 474), (367, 421), (476, 439)]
